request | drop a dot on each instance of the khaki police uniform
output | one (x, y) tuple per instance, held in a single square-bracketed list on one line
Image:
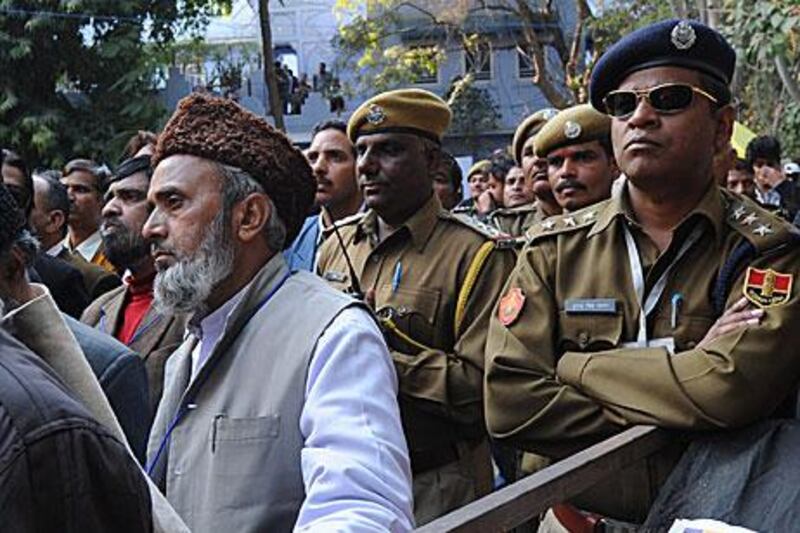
[(566, 364), (435, 281)]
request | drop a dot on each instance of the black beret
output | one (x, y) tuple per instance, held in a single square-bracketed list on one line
[(675, 42), (11, 218)]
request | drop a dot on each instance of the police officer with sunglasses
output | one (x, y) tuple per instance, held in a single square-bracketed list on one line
[(673, 303)]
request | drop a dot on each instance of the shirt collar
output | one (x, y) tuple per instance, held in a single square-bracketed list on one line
[(208, 328), (420, 225), (88, 248), (56, 250), (712, 207)]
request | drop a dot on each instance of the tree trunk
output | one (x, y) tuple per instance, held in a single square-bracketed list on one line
[(274, 103)]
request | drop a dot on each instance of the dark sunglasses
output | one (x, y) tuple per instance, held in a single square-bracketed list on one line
[(667, 98)]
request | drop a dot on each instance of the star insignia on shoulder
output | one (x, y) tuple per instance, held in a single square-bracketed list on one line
[(749, 219), (569, 222), (591, 215), (548, 225), (739, 212), (763, 229)]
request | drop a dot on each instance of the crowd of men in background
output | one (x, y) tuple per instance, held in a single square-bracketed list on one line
[(210, 271)]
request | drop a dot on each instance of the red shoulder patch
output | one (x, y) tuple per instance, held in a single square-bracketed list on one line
[(510, 306), (767, 288)]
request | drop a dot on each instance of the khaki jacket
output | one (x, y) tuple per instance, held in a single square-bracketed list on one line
[(558, 376), (415, 276), (156, 337)]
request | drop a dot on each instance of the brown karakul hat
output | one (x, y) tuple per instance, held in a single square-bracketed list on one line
[(223, 131)]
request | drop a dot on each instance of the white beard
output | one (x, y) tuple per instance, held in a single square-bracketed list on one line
[(185, 286)]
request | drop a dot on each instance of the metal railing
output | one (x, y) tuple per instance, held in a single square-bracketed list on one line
[(526, 499)]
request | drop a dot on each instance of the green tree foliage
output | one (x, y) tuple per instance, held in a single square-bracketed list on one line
[(390, 42), (79, 75), (474, 109)]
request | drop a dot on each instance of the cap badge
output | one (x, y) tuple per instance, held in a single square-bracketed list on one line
[(376, 115), (683, 35), (572, 130)]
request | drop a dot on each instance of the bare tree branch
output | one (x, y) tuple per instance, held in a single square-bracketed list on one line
[(789, 83), (270, 76), (571, 67), (537, 54)]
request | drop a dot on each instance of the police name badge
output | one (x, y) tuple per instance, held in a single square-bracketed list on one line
[(510, 306), (590, 306), (767, 288)]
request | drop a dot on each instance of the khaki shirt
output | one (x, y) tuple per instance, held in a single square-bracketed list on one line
[(515, 221), (558, 377), (418, 271)]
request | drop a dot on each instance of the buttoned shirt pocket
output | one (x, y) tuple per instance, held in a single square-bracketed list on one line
[(414, 311), (589, 332)]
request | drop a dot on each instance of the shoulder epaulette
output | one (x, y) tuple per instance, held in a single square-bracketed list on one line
[(564, 223), (352, 219), (485, 230), (764, 230), (526, 208), (463, 209), (344, 222)]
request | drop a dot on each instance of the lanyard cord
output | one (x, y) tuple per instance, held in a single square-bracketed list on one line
[(186, 403), (648, 303)]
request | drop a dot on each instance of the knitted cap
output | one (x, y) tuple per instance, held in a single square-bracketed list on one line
[(575, 125)]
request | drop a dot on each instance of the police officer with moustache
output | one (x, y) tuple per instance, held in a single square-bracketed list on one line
[(515, 220), (432, 279), (672, 303), (576, 144)]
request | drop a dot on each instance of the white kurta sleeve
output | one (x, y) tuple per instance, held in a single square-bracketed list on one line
[(355, 464)]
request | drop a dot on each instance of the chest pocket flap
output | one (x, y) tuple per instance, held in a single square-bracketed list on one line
[(589, 333), (410, 304)]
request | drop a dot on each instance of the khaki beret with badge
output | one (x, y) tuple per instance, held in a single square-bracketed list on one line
[(414, 111), (528, 128), (481, 166), (574, 125)]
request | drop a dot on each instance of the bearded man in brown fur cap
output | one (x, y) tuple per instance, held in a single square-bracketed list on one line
[(279, 409)]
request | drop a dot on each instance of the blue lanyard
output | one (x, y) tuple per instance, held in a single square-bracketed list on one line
[(187, 404)]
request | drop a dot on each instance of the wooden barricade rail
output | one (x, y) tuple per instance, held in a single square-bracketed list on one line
[(524, 500)]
